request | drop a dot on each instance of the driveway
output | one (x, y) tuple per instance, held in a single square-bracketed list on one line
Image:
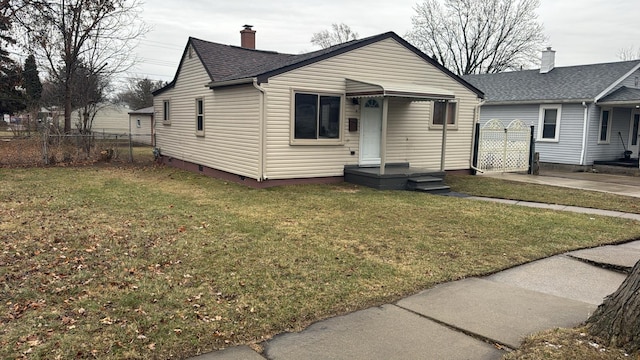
[(615, 184)]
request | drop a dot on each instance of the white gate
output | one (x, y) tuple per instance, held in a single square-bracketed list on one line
[(504, 149)]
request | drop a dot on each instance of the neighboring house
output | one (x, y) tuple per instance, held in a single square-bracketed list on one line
[(142, 126), (110, 119), (582, 114), (267, 118)]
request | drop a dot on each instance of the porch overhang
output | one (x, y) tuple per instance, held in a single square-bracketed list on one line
[(359, 88), (622, 97)]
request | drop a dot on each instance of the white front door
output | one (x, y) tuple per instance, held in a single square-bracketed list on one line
[(634, 135), (370, 131)]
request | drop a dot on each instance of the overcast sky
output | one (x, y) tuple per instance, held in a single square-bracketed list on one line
[(581, 32)]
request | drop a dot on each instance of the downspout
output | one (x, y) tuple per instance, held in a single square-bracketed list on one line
[(262, 132), (476, 119), (585, 131)]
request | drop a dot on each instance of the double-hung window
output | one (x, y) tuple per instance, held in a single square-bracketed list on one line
[(549, 123), (200, 117), (317, 118), (438, 113), (605, 126), (166, 119)]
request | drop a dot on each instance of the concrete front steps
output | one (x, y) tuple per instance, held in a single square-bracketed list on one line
[(430, 184)]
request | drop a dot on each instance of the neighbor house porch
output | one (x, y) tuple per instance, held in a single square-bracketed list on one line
[(618, 129)]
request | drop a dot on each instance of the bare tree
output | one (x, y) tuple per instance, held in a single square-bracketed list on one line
[(479, 36), (97, 35), (617, 319), (340, 33), (629, 53), (138, 94)]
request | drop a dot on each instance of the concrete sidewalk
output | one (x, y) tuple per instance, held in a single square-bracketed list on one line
[(474, 318), (613, 184)]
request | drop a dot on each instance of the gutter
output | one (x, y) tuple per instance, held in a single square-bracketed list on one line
[(262, 132), (536, 102), (217, 84)]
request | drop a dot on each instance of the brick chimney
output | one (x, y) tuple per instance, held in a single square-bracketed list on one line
[(548, 60), (248, 37)]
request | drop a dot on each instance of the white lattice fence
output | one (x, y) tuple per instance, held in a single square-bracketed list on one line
[(504, 149)]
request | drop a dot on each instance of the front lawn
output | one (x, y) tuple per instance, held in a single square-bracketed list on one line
[(515, 190), (116, 263)]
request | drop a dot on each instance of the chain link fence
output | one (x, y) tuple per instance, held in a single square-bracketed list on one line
[(47, 146)]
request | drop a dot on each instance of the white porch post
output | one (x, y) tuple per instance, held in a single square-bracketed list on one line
[(383, 135), (444, 136)]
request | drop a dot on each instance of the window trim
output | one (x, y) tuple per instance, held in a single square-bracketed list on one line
[(610, 121), (138, 123), (199, 101), (541, 113), (166, 112), (456, 117), (292, 131)]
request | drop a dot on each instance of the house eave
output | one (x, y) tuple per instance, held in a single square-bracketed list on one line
[(534, 102), (620, 103), (219, 84)]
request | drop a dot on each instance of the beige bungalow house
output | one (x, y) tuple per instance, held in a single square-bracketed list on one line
[(362, 111)]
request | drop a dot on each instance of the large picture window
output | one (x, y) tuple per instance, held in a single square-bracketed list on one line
[(317, 116), (549, 123), (438, 113)]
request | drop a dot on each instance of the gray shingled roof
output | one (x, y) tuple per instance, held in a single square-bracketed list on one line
[(147, 110), (227, 62), (622, 94), (582, 82)]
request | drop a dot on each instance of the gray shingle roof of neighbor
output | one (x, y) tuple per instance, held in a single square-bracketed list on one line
[(622, 94), (583, 82), (147, 110), (228, 63)]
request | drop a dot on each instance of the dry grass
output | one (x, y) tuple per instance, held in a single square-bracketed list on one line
[(563, 344), (29, 152), (109, 262), (513, 190)]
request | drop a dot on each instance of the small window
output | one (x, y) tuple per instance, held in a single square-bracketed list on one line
[(605, 126), (317, 117), (138, 124), (199, 117), (438, 113), (549, 123), (165, 112)]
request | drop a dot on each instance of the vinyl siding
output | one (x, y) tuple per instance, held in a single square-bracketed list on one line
[(110, 118), (409, 138), (142, 134), (567, 150), (631, 81), (614, 149), (569, 146), (231, 123), (506, 113)]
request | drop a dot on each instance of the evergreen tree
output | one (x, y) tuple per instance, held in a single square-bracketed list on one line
[(31, 82), (11, 98)]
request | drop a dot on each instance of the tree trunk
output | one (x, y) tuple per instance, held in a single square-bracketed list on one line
[(617, 319), (67, 108)]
